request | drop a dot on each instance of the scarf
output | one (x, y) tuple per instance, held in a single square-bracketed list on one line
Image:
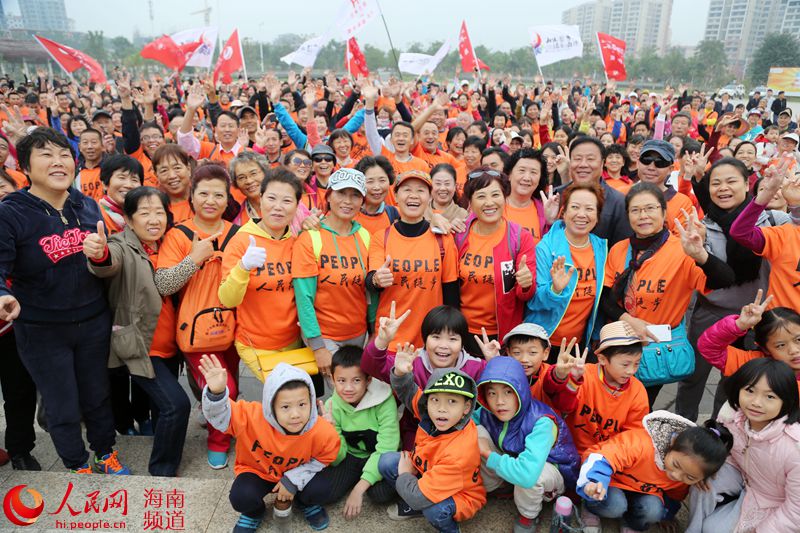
[(641, 251), (745, 264), (114, 212)]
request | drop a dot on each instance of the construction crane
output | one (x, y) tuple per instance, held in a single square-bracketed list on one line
[(206, 12)]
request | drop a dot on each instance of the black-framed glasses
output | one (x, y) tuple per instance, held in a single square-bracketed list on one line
[(659, 162), (321, 158), (478, 173)]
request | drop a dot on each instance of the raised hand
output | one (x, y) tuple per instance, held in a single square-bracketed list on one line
[(489, 348), (772, 181), (384, 277), (370, 93), (214, 373), (388, 326), (751, 314), (404, 359), (560, 275), (254, 257), (203, 249), (562, 160), (551, 201), (691, 239), (565, 361), (196, 98), (14, 127), (524, 275), (791, 190), (310, 98), (243, 138), (94, 245)]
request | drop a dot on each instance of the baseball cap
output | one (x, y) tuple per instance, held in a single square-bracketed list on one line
[(618, 333), (237, 103), (453, 382), (633, 95), (792, 136), (101, 113), (754, 111), (322, 149), (662, 148), (416, 175), (785, 112), (241, 111), (515, 135), (528, 329), (348, 178)]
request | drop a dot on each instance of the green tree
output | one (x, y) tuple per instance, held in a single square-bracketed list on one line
[(709, 65), (95, 45), (777, 50)]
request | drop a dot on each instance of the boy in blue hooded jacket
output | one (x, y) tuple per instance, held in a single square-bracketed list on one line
[(522, 442)]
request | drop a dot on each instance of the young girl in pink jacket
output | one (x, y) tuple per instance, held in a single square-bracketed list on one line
[(756, 490)]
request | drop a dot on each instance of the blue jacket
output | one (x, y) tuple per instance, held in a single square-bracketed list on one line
[(41, 252), (548, 308), (535, 435), (299, 138)]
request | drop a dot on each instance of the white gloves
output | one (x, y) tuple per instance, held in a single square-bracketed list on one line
[(254, 256)]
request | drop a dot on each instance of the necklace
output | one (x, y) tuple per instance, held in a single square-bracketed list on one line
[(584, 245)]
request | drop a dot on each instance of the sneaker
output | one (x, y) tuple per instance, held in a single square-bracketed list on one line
[(217, 460), (247, 524), (402, 511), (85, 469), (146, 428), (25, 461), (591, 522), (525, 525), (317, 517), (109, 464)]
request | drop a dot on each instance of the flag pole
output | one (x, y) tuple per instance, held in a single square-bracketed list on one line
[(472, 48), (391, 45), (347, 55), (241, 53)]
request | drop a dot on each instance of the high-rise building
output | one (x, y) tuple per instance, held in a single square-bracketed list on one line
[(640, 23), (44, 15), (742, 24)]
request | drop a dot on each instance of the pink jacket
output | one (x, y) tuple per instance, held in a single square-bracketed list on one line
[(713, 343), (769, 461)]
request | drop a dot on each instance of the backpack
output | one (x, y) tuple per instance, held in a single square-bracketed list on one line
[(316, 240), (204, 324)]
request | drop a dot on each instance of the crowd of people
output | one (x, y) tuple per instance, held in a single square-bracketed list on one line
[(453, 292)]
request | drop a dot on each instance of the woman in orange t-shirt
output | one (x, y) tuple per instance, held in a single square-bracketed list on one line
[(247, 171), (496, 261), (184, 258), (525, 169), (650, 278), (173, 167), (375, 214)]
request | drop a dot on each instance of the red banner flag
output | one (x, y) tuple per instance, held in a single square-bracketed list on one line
[(165, 51), (354, 60), (230, 59), (612, 52), (71, 60), (467, 52)]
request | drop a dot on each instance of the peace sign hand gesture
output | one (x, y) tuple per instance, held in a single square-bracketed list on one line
[(489, 348), (325, 413), (562, 162), (560, 275), (551, 202), (565, 361), (691, 240), (751, 314), (404, 359), (388, 326)]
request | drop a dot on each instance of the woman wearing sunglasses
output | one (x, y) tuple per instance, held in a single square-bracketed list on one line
[(323, 162), (496, 261), (655, 165), (525, 169)]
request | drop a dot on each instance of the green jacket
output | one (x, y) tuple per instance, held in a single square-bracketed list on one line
[(367, 429)]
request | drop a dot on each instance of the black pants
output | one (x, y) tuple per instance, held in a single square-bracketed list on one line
[(336, 481), (129, 402), (68, 364), (19, 395), (248, 491)]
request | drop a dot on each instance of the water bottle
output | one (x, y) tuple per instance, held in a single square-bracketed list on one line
[(562, 516), (282, 516)]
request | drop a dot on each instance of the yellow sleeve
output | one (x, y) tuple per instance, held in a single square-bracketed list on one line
[(234, 287)]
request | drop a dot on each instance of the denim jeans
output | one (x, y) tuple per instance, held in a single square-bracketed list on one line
[(638, 511), (173, 407), (440, 515)]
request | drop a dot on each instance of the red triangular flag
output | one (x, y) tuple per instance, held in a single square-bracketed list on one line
[(467, 53), (165, 51), (230, 59), (71, 60), (612, 52), (354, 60)]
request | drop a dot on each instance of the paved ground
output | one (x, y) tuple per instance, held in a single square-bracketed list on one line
[(197, 501)]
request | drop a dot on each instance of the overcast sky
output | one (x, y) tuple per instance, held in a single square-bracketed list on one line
[(500, 25)]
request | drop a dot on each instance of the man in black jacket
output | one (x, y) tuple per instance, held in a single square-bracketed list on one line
[(778, 105)]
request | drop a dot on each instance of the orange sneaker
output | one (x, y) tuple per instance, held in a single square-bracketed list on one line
[(109, 464), (85, 469)]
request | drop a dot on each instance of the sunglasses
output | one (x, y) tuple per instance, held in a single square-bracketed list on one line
[(478, 173), (321, 158), (300, 162), (658, 161)]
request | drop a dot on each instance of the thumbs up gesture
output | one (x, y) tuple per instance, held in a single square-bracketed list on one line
[(524, 274), (254, 257), (94, 245), (383, 276)]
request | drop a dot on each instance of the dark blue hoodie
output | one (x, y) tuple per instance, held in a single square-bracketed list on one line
[(522, 446), (41, 253)]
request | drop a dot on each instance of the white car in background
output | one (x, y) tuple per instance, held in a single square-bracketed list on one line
[(733, 90)]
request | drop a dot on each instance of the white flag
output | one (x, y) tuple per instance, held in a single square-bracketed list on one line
[(555, 43), (354, 15), (419, 64), (307, 53), (202, 56)]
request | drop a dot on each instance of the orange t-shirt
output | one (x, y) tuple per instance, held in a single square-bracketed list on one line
[(600, 414), (526, 217), (419, 272), (476, 272), (181, 211), (618, 185), (433, 159), (267, 317), (674, 206), (632, 456), (415, 163), (782, 249), (268, 453), (340, 271), (164, 344), (374, 223), (150, 178), (176, 245), (449, 465), (360, 147), (573, 324), (90, 184), (19, 178), (669, 271)]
